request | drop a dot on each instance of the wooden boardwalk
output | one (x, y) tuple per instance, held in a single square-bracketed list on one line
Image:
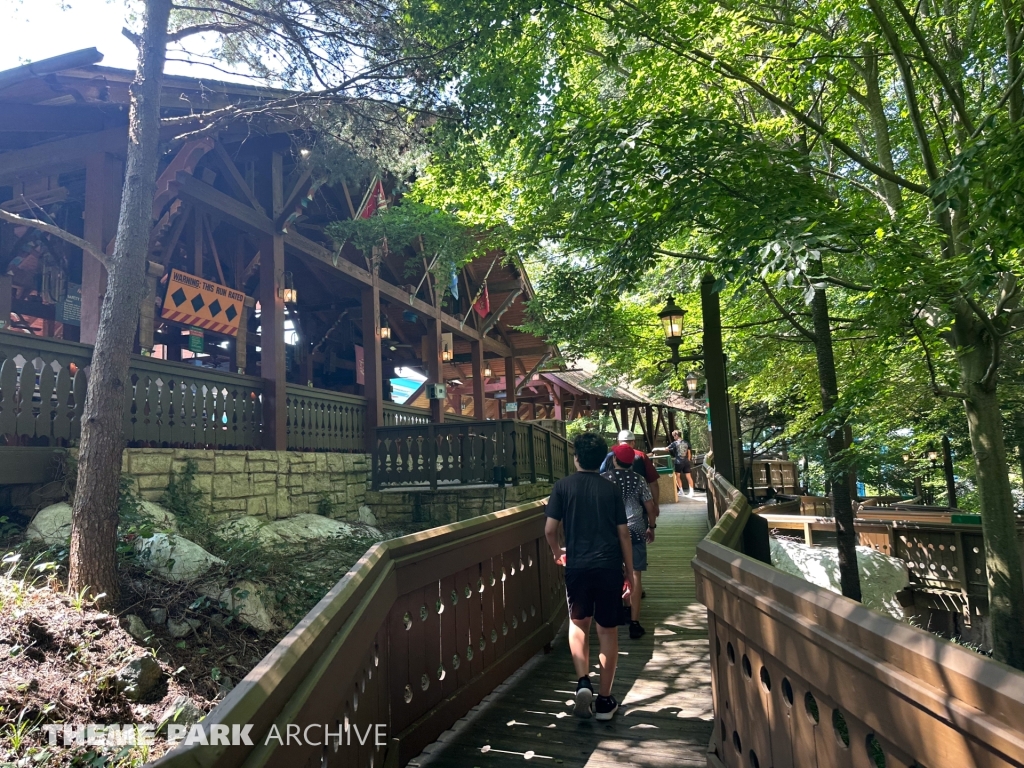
[(663, 682)]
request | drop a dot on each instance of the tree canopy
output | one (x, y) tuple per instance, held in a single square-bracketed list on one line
[(851, 173)]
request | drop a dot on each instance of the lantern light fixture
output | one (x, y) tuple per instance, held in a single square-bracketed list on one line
[(447, 351), (672, 321), (287, 292), (691, 384), (672, 324), (488, 373), (385, 329)]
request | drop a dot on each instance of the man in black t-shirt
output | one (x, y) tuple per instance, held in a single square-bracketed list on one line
[(597, 543)]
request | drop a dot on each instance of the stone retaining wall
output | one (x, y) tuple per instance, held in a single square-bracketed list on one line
[(449, 506), (267, 484), (278, 484)]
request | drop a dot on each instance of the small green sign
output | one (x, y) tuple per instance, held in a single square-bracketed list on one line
[(965, 519), (196, 340)]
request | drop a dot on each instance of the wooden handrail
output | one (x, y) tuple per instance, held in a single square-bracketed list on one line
[(372, 650), (815, 679), (465, 452), (215, 409)]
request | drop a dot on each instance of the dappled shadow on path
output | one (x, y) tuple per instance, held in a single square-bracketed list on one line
[(663, 683)]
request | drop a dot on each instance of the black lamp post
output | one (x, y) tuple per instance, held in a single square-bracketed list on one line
[(709, 357)]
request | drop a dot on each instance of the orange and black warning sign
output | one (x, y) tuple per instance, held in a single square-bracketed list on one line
[(194, 301)]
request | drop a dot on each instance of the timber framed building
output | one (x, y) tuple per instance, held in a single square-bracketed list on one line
[(255, 331)]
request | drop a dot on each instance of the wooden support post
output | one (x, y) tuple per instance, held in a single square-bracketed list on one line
[(242, 340), (100, 225), (556, 395), (671, 423), (147, 308), (435, 370), (649, 426), (477, 352), (623, 416), (197, 243), (6, 293), (717, 384), (510, 387), (431, 447), (372, 379), (275, 437)]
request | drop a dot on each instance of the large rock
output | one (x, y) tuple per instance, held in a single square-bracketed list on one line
[(249, 602), (302, 528), (176, 628), (174, 557), (160, 518), (366, 516), (181, 711), (881, 576), (51, 525), (138, 630), (138, 677)]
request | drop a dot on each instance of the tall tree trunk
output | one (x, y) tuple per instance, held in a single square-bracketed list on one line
[(94, 514), (880, 127), (998, 523), (835, 477), (1011, 27)]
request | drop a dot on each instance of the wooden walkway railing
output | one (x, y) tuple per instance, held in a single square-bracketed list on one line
[(43, 383), (804, 677), (468, 452), (417, 633)]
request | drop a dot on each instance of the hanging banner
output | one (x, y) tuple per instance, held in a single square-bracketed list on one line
[(191, 300)]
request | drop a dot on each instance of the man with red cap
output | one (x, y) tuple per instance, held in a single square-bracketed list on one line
[(641, 517), (642, 465)]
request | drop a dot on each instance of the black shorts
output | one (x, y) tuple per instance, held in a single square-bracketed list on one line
[(683, 467), (595, 592)]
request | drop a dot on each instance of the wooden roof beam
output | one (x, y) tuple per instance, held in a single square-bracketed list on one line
[(66, 153), (490, 321), (243, 216)]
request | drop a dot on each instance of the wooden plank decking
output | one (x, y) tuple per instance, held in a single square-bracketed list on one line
[(663, 682)]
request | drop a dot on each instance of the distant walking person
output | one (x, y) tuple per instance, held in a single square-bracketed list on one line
[(597, 543), (641, 516), (642, 465), (679, 449)]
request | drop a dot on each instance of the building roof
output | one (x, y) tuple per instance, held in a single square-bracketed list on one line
[(585, 382)]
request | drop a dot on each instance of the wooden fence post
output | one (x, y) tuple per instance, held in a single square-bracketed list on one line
[(533, 456), (551, 457), (432, 455)]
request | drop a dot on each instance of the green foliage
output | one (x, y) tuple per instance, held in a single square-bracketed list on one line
[(631, 146), (596, 422), (131, 519), (447, 242), (185, 501), (325, 507)]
